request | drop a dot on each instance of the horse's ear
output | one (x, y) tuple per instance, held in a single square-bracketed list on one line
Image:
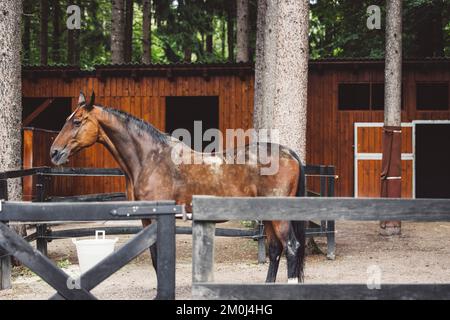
[(81, 99), (90, 105)]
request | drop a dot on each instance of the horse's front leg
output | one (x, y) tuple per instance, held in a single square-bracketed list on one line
[(275, 250), (153, 251)]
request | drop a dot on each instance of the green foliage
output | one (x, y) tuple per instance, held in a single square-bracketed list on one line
[(180, 30)]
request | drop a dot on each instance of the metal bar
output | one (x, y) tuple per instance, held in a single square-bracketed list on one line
[(323, 193), (137, 211), (62, 171), (40, 264), (41, 229), (208, 208), (112, 263), (212, 291), (166, 257), (77, 211), (115, 196), (85, 232), (331, 236), (21, 173)]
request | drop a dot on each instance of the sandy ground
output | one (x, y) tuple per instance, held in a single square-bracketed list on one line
[(420, 255)]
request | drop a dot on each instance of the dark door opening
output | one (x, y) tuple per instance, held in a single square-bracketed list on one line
[(432, 161), (51, 112), (181, 112)]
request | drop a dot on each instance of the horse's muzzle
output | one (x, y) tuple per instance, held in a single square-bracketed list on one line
[(58, 156)]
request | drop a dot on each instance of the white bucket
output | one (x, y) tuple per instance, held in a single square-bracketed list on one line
[(92, 251)]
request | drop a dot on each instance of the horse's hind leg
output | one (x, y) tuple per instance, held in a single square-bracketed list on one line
[(295, 251), (275, 250)]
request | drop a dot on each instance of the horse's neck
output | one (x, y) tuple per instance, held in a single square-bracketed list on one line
[(129, 148)]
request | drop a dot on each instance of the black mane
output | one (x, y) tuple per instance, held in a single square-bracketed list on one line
[(140, 124)]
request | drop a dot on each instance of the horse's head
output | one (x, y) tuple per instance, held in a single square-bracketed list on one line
[(81, 130)]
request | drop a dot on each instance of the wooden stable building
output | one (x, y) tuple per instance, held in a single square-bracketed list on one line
[(345, 115)]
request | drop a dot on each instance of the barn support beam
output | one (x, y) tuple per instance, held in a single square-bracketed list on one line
[(41, 108)]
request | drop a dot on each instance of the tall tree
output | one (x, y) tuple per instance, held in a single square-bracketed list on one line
[(26, 36), (147, 31), (56, 37), (128, 41), (117, 31), (73, 41), (282, 71), (391, 183), (11, 96), (230, 30), (242, 34), (43, 43)]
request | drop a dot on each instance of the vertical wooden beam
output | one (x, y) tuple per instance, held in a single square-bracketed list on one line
[(331, 235), (203, 251), (41, 229), (5, 260), (27, 184), (165, 244)]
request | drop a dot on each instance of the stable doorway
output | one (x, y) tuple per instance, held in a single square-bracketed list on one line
[(432, 159), (182, 112)]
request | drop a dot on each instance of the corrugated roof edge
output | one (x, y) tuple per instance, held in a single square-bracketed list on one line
[(218, 66)]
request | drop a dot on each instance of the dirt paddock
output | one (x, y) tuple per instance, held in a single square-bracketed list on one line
[(420, 255)]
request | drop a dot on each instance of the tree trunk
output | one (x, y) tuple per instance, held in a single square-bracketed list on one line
[(281, 81), (224, 33), (56, 31), (391, 167), (70, 47), (242, 35), (209, 43), (43, 43), (11, 95), (230, 31), (147, 31), (187, 54), (117, 31), (128, 43), (26, 38)]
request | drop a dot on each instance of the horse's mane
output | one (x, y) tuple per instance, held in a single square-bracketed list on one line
[(140, 124)]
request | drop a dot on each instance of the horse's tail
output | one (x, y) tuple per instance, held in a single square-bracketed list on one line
[(299, 227)]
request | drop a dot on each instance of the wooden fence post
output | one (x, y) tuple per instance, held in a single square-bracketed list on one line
[(41, 229), (203, 251), (165, 244), (5, 259)]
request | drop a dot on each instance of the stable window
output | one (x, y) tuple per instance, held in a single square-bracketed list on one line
[(377, 96), (354, 96), (45, 113), (182, 112), (432, 96)]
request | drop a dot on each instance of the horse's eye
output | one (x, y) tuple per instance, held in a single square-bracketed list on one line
[(76, 122)]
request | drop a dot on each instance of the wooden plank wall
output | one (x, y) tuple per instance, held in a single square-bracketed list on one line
[(330, 135), (145, 98)]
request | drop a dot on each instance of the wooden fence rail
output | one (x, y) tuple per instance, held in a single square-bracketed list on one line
[(209, 210), (163, 231)]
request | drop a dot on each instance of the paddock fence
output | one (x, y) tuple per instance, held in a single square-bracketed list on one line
[(320, 182), (162, 233), (208, 210)]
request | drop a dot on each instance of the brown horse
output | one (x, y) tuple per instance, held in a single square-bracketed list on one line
[(146, 156)]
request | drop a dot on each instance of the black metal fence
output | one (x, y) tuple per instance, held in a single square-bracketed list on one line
[(45, 234), (208, 210)]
